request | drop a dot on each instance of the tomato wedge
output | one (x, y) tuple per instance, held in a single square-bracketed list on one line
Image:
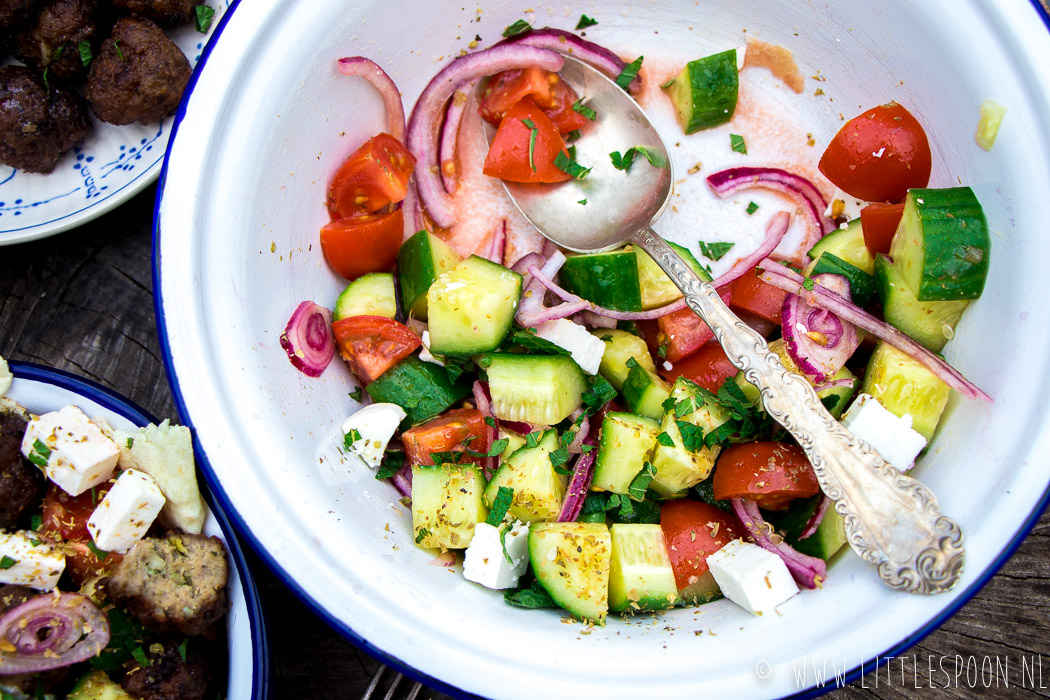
[(364, 243), (878, 155), (546, 89), (770, 473), (373, 344), (760, 298), (678, 335), (708, 366), (447, 433), (374, 176), (693, 531), (524, 147), (64, 519), (879, 222)]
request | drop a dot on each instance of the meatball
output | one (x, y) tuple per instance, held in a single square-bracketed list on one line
[(52, 42), (37, 125), (160, 11), (173, 584), (21, 483), (171, 677), (15, 13), (138, 76)]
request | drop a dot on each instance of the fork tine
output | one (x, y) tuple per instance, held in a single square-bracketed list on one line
[(414, 692), (376, 677), (393, 687)]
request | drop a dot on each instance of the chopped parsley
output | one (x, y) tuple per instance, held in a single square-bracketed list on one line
[(641, 482), (569, 166), (393, 460), (664, 439), (582, 201), (519, 27), (629, 73), (350, 438), (422, 535), (583, 109), (140, 657), (752, 208), (502, 502), (204, 15), (668, 403), (600, 393), (120, 54), (661, 350), (631, 362), (182, 648), (684, 407), (36, 522), (7, 562), (527, 340), (560, 456), (47, 85), (808, 284), (736, 142), (573, 135), (624, 162), (357, 394), (130, 442), (532, 141), (40, 454), (585, 22), (533, 438), (99, 553), (692, 436), (532, 596), (490, 421), (715, 251)]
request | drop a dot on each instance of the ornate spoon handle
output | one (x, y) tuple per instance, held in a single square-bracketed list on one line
[(891, 520)]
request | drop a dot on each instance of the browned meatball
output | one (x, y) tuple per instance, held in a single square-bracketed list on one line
[(37, 125), (138, 76), (52, 41), (21, 483), (173, 584), (15, 13), (169, 676), (160, 11)]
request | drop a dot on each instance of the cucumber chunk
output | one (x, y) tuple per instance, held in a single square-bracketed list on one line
[(645, 392), (931, 323), (537, 389), (657, 289), (677, 466), (572, 561), (941, 246), (825, 542), (902, 385), (846, 244), (538, 489), (471, 308), (421, 388), (841, 394), (705, 93), (640, 573), (369, 295), (626, 443), (607, 279), (446, 504), (861, 283), (421, 259), (96, 685), (621, 346)]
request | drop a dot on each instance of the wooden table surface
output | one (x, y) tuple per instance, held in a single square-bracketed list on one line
[(82, 301)]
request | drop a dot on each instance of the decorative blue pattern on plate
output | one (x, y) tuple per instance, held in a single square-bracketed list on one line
[(113, 164)]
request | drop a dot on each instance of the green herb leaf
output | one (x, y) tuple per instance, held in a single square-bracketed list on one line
[(99, 553), (182, 648), (490, 421), (573, 135), (531, 597), (583, 109), (624, 162), (392, 463), (668, 404), (736, 142), (357, 394), (532, 141), (204, 15), (7, 562), (558, 458), (582, 201), (600, 393), (84, 48), (130, 442), (585, 22), (692, 436), (607, 338), (669, 83), (57, 53), (36, 522), (808, 284), (531, 343), (684, 407), (42, 449), (715, 251), (752, 208), (422, 535), (631, 362), (498, 446), (120, 54), (37, 460), (629, 73), (140, 657), (533, 438), (350, 438), (641, 482), (664, 439), (519, 27), (500, 505), (569, 166), (661, 350)]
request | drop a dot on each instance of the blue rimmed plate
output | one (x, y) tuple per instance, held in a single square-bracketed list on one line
[(113, 164), (41, 389)]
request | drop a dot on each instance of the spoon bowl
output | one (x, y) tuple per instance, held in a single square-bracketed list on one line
[(891, 520)]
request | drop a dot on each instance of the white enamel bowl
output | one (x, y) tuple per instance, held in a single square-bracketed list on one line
[(242, 199), (41, 389)]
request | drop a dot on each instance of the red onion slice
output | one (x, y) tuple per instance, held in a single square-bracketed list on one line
[(573, 300), (579, 485), (497, 244), (809, 572), (457, 106), (817, 340), (816, 518), (370, 71), (787, 279), (732, 180), (483, 402), (51, 631), (587, 51), (425, 120), (835, 384), (593, 320), (775, 230), (308, 338), (402, 480)]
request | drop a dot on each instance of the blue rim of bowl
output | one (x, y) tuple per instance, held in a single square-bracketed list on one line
[(342, 628), (116, 403)]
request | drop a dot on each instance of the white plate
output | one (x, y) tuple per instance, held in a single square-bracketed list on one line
[(237, 250), (113, 164), (40, 389)]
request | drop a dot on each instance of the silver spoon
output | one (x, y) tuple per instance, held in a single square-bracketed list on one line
[(891, 520)]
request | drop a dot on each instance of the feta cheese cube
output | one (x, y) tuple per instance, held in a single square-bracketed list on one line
[(485, 561), (892, 437), (755, 579), (126, 512), (424, 352), (585, 348), (24, 563), (72, 451), (375, 425), (844, 206)]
